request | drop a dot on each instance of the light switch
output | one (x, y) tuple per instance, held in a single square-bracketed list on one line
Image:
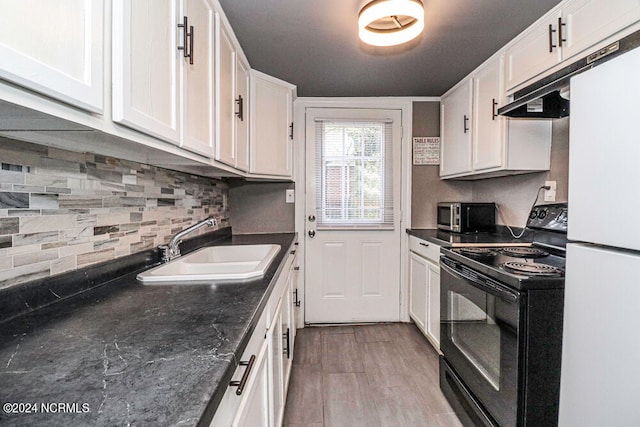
[(291, 198)]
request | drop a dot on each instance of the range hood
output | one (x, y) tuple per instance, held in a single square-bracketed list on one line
[(548, 98)]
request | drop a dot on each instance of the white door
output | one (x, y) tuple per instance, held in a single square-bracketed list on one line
[(352, 234)]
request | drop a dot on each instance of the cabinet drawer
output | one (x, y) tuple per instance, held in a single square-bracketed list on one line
[(425, 249)]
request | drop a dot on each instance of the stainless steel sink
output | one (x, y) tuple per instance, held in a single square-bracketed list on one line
[(214, 263)]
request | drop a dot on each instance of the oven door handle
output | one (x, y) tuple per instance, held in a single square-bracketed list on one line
[(483, 284)]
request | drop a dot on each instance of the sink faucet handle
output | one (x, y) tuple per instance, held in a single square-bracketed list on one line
[(165, 255)]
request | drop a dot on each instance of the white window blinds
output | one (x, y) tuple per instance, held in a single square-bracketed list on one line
[(354, 176)]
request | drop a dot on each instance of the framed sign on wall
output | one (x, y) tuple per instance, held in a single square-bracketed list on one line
[(426, 150)]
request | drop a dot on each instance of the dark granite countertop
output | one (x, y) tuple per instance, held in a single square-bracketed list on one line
[(133, 354), (451, 240)]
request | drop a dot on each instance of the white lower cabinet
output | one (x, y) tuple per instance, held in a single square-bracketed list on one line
[(424, 288), (254, 409), (276, 348), (257, 393)]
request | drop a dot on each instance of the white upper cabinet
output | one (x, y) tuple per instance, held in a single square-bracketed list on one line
[(564, 33), (226, 61), (55, 47), (242, 113), (476, 142), (455, 131), (198, 78), (271, 125), (163, 72), (488, 127), (590, 21), (146, 80), (534, 52), (232, 146)]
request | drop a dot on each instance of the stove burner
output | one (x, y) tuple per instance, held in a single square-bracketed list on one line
[(477, 251), (524, 252), (534, 269)]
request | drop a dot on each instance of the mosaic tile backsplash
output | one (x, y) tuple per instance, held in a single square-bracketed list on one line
[(62, 210)]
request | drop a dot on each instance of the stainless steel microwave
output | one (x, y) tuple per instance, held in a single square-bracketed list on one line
[(467, 217)]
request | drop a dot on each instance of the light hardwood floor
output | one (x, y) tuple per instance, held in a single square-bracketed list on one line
[(373, 375)]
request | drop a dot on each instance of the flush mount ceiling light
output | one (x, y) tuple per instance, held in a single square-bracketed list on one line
[(390, 22)]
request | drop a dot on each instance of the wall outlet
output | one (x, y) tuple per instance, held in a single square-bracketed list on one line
[(291, 197), (550, 195)]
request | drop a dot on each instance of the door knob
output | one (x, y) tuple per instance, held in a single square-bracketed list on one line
[(312, 218), (312, 233)]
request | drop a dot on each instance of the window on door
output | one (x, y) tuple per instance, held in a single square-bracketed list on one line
[(355, 180)]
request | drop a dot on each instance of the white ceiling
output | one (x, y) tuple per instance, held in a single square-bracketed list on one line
[(314, 44)]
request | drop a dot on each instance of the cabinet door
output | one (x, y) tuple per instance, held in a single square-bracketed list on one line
[(533, 52), (271, 116), (274, 338), (287, 336), (418, 289), (455, 150), (433, 302), (590, 21), (226, 63), (146, 91), (198, 80), (55, 47), (488, 127), (254, 408), (242, 118)]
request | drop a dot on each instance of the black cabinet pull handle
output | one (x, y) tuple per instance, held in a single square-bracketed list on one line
[(551, 45), (185, 36), (494, 114), (187, 39), (286, 337), (424, 244), (560, 38), (243, 381), (191, 37), (296, 301), (291, 133), (240, 112), (466, 120)]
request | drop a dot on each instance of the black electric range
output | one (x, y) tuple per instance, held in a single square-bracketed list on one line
[(536, 265), (501, 326)]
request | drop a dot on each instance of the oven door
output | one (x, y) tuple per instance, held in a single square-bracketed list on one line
[(480, 324)]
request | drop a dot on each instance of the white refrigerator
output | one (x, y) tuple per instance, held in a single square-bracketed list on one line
[(600, 378)]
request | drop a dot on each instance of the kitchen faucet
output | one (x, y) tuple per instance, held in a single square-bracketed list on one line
[(172, 250)]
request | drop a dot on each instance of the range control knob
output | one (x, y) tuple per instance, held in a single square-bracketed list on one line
[(533, 214), (542, 214)]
